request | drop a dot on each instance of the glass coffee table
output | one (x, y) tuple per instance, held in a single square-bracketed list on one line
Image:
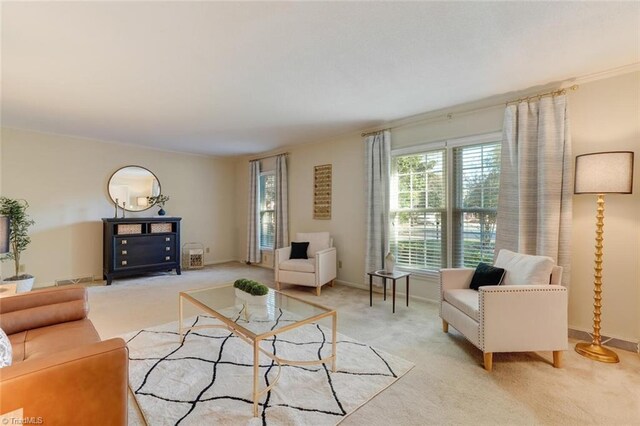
[(256, 322)]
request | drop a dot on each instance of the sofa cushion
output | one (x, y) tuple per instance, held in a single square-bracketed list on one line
[(5, 350), (317, 241), (44, 341), (464, 299), (299, 250), (298, 265), (524, 268), (486, 275)]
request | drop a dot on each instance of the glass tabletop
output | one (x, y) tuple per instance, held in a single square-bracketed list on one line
[(261, 315)]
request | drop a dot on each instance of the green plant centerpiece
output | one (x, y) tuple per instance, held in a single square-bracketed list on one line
[(251, 287), (160, 200), (19, 224)]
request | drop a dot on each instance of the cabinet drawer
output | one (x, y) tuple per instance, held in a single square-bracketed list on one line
[(145, 240)]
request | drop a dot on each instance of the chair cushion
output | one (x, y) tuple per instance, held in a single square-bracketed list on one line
[(524, 268), (464, 299), (317, 241), (299, 250), (486, 275), (298, 265)]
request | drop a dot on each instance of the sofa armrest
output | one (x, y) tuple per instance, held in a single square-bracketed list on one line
[(523, 318), (281, 255), (452, 278), (41, 308), (326, 265), (82, 385)]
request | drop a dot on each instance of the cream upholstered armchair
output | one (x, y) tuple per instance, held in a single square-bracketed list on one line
[(528, 312), (316, 271)]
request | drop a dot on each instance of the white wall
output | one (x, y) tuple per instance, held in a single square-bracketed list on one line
[(604, 116), (65, 181)]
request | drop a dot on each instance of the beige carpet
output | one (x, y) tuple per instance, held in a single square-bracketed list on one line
[(448, 384)]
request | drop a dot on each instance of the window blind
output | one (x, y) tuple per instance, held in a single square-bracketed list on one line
[(477, 176), (267, 210), (418, 210)]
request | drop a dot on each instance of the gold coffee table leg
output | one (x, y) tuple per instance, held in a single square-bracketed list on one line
[(256, 371), (334, 333)]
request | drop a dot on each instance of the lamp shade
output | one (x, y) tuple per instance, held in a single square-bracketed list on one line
[(4, 234), (604, 173)]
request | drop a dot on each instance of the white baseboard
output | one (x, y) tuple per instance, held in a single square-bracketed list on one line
[(217, 262), (378, 290)]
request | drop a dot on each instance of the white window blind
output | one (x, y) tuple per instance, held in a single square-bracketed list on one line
[(477, 175), (418, 210), (267, 210), (422, 201)]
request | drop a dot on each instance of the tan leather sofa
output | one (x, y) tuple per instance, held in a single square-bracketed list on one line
[(61, 373)]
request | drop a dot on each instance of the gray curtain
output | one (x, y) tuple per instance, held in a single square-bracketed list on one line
[(253, 232), (282, 203), (378, 173), (534, 204)]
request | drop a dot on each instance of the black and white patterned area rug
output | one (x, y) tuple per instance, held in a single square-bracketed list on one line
[(207, 379)]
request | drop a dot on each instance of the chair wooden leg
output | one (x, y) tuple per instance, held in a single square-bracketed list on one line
[(318, 289), (488, 361), (557, 359), (331, 283), (445, 326)]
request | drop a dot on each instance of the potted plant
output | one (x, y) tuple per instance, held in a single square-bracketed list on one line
[(19, 223), (251, 292), (159, 200)]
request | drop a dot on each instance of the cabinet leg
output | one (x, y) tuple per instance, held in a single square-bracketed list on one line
[(445, 326), (109, 279), (178, 271)]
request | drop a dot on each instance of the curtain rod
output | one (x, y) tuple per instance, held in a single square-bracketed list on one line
[(269, 156), (450, 115), (542, 95), (373, 133)]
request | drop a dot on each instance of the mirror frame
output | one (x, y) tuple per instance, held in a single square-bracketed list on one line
[(124, 167)]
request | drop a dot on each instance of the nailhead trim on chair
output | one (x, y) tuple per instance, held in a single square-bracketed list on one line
[(506, 290), (441, 293)]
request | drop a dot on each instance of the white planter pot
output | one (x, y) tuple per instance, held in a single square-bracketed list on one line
[(250, 299), (22, 286)]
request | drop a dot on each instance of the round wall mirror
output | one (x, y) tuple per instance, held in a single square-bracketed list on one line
[(131, 185)]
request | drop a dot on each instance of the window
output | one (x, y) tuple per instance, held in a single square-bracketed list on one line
[(444, 204), (267, 212)]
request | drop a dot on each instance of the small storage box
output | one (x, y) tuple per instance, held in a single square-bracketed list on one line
[(129, 228), (157, 228)]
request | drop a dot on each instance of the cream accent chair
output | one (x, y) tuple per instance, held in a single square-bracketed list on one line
[(528, 312), (316, 271)]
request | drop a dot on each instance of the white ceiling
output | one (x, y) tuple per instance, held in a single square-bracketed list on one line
[(237, 78)]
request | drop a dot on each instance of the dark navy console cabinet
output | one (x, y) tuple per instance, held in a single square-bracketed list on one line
[(138, 245)]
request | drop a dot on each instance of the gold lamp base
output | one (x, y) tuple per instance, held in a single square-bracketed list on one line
[(597, 352)]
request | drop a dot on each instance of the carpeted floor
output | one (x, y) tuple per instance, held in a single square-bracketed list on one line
[(448, 384)]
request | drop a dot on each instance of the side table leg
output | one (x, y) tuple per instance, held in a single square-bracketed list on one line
[(394, 297), (407, 290), (384, 288), (370, 290), (256, 371)]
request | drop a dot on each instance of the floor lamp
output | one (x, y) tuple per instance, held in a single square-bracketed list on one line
[(601, 173)]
